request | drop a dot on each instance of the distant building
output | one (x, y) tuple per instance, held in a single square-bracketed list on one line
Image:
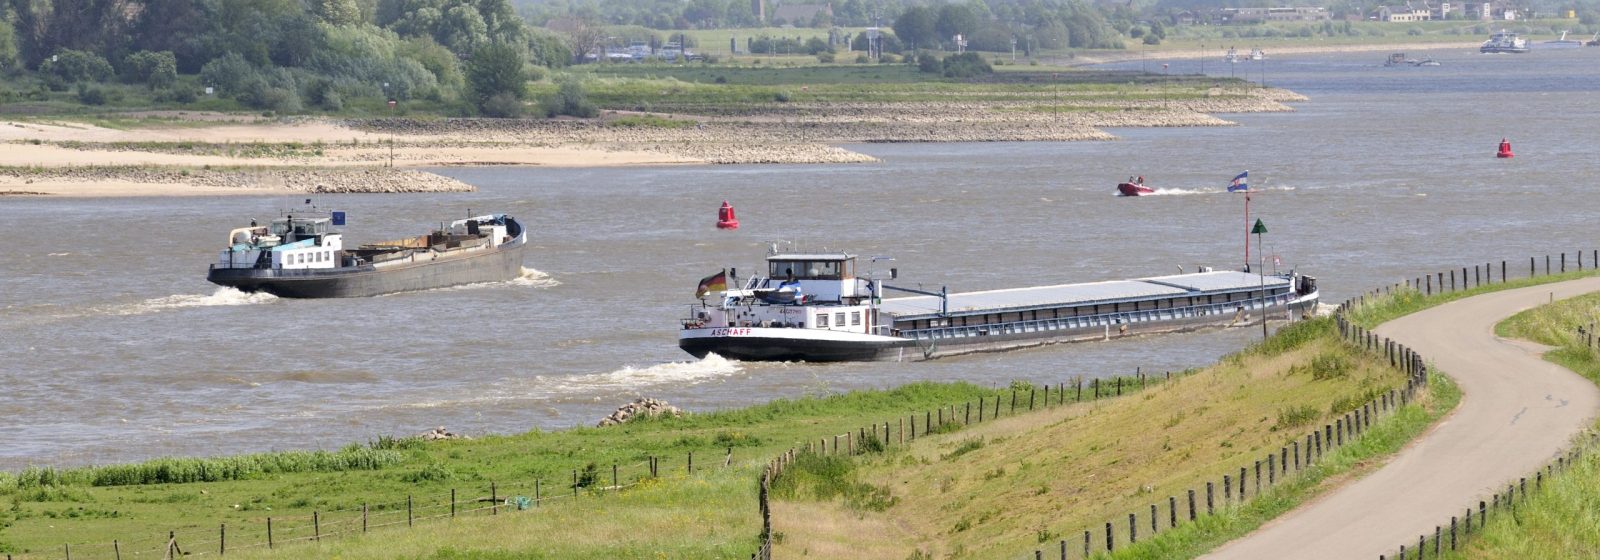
[(759, 8), (801, 15), (1244, 16), (1403, 14)]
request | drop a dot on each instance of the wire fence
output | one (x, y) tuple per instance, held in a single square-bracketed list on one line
[(904, 430), (496, 498), (1451, 535)]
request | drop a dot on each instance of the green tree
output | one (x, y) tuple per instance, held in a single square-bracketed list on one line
[(8, 49), (155, 69), (339, 12), (497, 69), (917, 27), (955, 19), (76, 66)]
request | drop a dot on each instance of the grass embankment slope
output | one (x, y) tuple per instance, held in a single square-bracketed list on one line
[(1006, 488), (1557, 520), (710, 514)]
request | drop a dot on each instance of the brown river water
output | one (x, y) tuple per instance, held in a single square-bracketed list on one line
[(113, 347)]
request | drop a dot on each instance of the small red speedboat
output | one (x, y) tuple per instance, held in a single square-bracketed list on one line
[(1133, 189)]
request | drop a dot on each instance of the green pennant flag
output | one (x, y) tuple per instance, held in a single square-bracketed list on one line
[(1260, 228)]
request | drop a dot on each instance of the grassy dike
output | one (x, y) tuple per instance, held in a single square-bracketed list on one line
[(1558, 519), (43, 509), (1008, 488)]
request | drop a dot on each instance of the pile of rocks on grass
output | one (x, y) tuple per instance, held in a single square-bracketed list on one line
[(440, 433), (642, 406)]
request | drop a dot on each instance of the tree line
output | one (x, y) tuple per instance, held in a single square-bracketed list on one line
[(283, 55)]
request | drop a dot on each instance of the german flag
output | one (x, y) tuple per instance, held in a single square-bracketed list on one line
[(714, 283)]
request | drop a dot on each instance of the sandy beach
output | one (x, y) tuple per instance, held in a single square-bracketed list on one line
[(212, 154)]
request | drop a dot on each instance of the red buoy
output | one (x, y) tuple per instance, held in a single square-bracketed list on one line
[(725, 218), (1505, 149)]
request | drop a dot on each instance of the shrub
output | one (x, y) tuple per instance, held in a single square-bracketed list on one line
[(1294, 416), (966, 65), (229, 74), (77, 66), (825, 58), (862, 59), (502, 106), (154, 69), (91, 95), (570, 99), (929, 63)]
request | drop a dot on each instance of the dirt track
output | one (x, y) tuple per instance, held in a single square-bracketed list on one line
[(1517, 413)]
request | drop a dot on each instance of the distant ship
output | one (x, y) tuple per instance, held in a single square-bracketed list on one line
[(1562, 43), (1504, 42), (813, 307), (300, 256)]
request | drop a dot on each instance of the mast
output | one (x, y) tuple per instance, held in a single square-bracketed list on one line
[(1247, 229)]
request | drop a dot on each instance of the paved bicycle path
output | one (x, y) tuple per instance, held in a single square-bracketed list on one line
[(1517, 412)]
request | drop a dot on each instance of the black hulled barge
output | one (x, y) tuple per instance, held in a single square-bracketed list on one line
[(813, 307), (300, 256)]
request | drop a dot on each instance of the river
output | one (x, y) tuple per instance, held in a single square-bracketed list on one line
[(115, 348)]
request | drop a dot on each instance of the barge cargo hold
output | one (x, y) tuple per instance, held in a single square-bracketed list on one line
[(301, 257), (812, 307)]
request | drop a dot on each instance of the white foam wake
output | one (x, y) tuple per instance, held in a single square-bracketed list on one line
[(629, 377), (534, 279), (222, 297), (1182, 192)]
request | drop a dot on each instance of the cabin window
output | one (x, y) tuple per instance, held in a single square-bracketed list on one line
[(838, 319), (822, 320), (810, 270), (855, 318)]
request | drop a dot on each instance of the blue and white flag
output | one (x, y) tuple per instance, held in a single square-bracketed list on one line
[(1240, 183)]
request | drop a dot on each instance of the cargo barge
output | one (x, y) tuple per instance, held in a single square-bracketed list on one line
[(300, 256), (813, 307)]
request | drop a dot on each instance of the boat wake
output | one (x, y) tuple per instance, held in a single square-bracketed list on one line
[(1182, 192), (222, 297), (534, 279), (710, 368)]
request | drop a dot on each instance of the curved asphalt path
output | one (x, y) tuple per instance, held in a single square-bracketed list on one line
[(1517, 413)]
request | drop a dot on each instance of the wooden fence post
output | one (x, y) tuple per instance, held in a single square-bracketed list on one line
[(269, 533), (1110, 539), (1210, 509), (538, 500), (316, 526), (494, 498), (116, 550), (1133, 528), (222, 540), (1191, 504), (1085, 544), (1172, 511), (1227, 488), (410, 518)]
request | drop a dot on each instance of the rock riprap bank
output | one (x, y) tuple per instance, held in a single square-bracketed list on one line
[(642, 406)]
